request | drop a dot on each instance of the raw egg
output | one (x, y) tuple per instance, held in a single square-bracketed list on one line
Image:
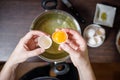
[(59, 36)]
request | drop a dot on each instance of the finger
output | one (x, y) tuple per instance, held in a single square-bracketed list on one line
[(34, 37), (71, 31), (36, 52), (76, 36), (31, 44), (82, 45), (67, 48), (30, 34), (36, 40), (73, 44), (59, 48), (68, 30)]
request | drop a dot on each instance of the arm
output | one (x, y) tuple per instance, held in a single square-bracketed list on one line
[(86, 72), (8, 71), (77, 49), (26, 48)]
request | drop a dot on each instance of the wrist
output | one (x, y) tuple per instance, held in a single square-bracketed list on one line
[(11, 64), (12, 61), (83, 64)]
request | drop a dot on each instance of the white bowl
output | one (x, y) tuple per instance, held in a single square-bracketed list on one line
[(98, 39)]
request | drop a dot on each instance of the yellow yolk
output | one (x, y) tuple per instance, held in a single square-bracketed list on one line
[(59, 37)]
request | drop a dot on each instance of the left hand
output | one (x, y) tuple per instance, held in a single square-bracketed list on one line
[(27, 47)]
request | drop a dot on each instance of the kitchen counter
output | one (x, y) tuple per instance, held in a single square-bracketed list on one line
[(16, 17)]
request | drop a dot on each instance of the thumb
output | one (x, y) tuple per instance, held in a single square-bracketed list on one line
[(36, 52), (67, 48)]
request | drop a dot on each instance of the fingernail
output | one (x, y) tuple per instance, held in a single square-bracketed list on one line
[(59, 48)]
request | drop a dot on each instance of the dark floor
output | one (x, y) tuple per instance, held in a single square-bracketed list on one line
[(103, 71)]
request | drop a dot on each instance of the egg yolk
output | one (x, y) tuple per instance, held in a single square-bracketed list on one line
[(59, 37)]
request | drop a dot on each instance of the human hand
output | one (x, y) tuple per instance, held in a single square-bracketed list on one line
[(27, 47), (76, 47)]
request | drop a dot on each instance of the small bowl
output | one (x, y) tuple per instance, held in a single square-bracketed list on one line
[(94, 35)]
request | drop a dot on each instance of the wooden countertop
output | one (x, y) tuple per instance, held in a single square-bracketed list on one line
[(16, 17)]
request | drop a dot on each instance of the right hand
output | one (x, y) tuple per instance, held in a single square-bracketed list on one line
[(76, 47)]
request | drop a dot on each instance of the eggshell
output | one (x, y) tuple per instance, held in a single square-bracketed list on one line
[(92, 41), (90, 32), (100, 31), (98, 39)]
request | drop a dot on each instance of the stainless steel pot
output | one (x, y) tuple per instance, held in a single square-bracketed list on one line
[(48, 21)]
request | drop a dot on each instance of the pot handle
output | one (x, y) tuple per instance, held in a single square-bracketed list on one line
[(61, 68), (49, 4)]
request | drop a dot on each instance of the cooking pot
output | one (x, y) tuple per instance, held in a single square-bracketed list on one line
[(47, 22)]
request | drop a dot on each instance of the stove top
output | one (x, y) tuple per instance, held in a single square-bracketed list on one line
[(44, 71)]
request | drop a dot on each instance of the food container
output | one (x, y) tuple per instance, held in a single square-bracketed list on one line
[(94, 35)]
